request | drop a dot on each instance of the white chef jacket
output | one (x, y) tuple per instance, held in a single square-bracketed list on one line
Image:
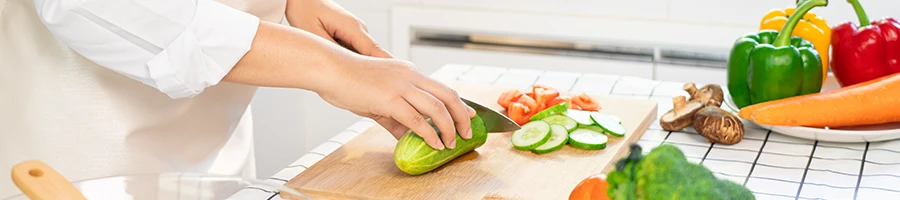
[(99, 88)]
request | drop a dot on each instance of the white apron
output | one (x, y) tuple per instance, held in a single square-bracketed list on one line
[(88, 122)]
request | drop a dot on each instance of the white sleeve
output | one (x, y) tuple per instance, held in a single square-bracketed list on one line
[(179, 47)]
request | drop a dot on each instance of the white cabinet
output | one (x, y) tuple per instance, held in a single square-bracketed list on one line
[(430, 58)]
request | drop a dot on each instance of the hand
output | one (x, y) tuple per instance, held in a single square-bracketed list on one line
[(397, 96), (331, 21)]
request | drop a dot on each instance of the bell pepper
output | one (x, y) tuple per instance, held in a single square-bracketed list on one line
[(770, 65), (866, 52), (811, 27)]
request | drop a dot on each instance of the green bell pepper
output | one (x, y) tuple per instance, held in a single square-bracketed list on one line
[(771, 65)]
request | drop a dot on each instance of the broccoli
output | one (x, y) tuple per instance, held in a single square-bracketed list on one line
[(665, 173)]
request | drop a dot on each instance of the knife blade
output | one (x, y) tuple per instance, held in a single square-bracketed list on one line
[(494, 121)]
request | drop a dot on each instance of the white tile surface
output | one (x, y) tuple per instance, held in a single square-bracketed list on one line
[(655, 135), (307, 160), (326, 148), (770, 186), (344, 137)]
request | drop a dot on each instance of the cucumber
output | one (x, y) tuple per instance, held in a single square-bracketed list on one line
[(580, 116), (531, 135), (562, 120), (414, 157), (592, 127), (552, 110), (558, 138), (610, 124), (587, 139), (595, 116)]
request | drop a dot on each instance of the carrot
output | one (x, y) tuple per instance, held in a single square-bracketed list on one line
[(873, 102)]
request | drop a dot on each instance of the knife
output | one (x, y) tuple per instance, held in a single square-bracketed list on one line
[(494, 122)]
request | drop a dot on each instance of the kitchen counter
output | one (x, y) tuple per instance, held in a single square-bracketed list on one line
[(772, 165)]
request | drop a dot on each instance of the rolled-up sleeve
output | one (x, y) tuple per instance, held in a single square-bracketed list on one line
[(179, 47)]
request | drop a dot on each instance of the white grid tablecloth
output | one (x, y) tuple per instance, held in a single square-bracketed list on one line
[(772, 165)]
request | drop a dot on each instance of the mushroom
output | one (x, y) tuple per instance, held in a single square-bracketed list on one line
[(718, 126), (681, 116), (710, 95)]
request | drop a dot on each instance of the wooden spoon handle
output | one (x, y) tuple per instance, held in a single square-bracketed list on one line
[(40, 182)]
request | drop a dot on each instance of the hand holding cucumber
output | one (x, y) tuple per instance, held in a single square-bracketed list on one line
[(398, 97)]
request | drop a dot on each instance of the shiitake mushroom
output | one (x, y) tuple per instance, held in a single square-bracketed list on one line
[(718, 125), (681, 116), (710, 95)]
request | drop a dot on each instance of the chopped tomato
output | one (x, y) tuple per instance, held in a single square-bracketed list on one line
[(591, 188), (531, 103), (585, 102), (559, 100), (530, 94), (508, 97), (519, 113), (527, 101), (544, 95)]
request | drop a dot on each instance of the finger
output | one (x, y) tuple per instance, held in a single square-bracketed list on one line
[(472, 112), (408, 116), (361, 41), (392, 126), (458, 109), (395, 128), (316, 27), (432, 107)]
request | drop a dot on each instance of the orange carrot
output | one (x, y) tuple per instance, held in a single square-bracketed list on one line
[(873, 102)]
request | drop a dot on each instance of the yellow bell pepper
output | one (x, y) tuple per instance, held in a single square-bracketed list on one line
[(811, 27)]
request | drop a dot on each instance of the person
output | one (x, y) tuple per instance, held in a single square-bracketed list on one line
[(98, 88)]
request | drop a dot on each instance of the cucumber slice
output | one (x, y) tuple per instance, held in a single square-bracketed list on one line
[(593, 128), (580, 116), (552, 110), (587, 139), (562, 120), (596, 116), (531, 135), (610, 124), (558, 138)]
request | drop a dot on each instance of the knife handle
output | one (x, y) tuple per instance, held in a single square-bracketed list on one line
[(40, 182)]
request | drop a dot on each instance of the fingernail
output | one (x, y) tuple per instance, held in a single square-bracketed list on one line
[(471, 111), (437, 143), (452, 144), (468, 134)]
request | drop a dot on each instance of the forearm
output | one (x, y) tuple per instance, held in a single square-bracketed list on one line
[(282, 56)]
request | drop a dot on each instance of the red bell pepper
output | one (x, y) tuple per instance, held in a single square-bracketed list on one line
[(866, 52)]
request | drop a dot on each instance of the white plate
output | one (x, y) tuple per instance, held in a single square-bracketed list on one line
[(872, 133)]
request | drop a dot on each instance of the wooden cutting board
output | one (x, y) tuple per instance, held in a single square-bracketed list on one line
[(364, 168)]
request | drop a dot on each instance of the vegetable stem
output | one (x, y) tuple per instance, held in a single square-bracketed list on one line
[(784, 37), (863, 18)]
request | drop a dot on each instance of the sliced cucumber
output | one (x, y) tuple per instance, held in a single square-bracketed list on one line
[(552, 110), (558, 138), (610, 124), (592, 127), (531, 135), (595, 116), (580, 116), (587, 139), (562, 120)]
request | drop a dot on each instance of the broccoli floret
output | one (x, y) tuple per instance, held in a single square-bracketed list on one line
[(665, 173)]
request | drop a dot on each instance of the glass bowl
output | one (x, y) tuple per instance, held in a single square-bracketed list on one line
[(178, 186)]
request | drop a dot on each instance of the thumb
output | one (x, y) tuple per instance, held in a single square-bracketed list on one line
[(363, 43)]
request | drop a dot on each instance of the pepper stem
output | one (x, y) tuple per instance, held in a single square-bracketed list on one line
[(803, 6), (863, 18)]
